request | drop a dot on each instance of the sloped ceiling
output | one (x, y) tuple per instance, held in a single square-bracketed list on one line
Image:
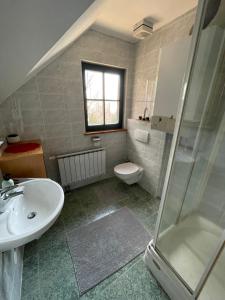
[(30, 31), (34, 32)]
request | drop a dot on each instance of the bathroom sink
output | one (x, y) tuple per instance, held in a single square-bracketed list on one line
[(26, 217), (21, 147)]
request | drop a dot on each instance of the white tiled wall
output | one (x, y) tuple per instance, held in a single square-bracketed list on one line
[(153, 156), (50, 106), (147, 59), (148, 155)]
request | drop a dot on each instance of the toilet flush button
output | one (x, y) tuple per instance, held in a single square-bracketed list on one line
[(141, 135)]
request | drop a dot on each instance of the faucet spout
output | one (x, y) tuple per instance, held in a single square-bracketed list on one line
[(7, 189), (7, 194), (145, 111), (12, 195)]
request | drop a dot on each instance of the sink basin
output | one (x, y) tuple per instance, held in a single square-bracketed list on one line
[(26, 217), (21, 147)]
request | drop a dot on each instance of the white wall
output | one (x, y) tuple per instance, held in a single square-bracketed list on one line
[(173, 61), (148, 155), (147, 61), (153, 156), (50, 106), (28, 29)]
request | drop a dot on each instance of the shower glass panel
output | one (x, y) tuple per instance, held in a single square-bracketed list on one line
[(193, 215)]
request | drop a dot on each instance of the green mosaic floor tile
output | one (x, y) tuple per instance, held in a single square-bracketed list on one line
[(48, 268), (30, 249), (73, 215), (60, 291), (32, 295), (30, 281), (53, 237), (56, 273), (137, 283)]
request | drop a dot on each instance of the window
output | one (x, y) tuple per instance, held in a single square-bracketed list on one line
[(103, 96)]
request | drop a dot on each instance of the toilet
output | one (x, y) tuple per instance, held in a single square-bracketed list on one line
[(128, 172)]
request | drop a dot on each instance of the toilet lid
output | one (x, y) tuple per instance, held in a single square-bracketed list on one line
[(126, 168)]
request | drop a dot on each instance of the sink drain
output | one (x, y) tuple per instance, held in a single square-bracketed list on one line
[(31, 215)]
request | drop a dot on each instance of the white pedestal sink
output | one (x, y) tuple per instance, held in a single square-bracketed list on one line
[(26, 217)]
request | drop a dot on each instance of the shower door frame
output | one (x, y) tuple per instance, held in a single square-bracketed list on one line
[(189, 69), (194, 294)]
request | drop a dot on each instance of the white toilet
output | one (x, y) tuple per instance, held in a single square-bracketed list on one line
[(129, 172)]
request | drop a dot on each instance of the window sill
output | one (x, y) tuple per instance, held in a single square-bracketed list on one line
[(104, 131)]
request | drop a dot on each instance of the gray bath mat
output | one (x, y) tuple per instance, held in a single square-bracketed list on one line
[(102, 247)]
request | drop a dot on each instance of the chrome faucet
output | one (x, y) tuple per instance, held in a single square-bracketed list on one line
[(7, 189), (145, 111), (7, 193)]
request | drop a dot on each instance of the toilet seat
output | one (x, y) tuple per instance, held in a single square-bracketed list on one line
[(126, 169), (129, 172)]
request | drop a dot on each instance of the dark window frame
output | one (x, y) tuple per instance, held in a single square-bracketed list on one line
[(104, 69)]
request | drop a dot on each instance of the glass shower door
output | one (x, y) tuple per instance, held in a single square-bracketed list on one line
[(192, 218)]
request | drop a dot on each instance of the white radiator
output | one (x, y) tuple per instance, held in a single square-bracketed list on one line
[(81, 166)]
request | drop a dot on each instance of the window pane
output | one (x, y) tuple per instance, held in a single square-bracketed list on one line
[(112, 86), (94, 84), (95, 113), (111, 112)]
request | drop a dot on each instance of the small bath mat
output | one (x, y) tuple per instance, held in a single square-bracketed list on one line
[(102, 247)]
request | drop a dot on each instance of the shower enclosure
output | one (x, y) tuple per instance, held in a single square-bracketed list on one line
[(187, 253)]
